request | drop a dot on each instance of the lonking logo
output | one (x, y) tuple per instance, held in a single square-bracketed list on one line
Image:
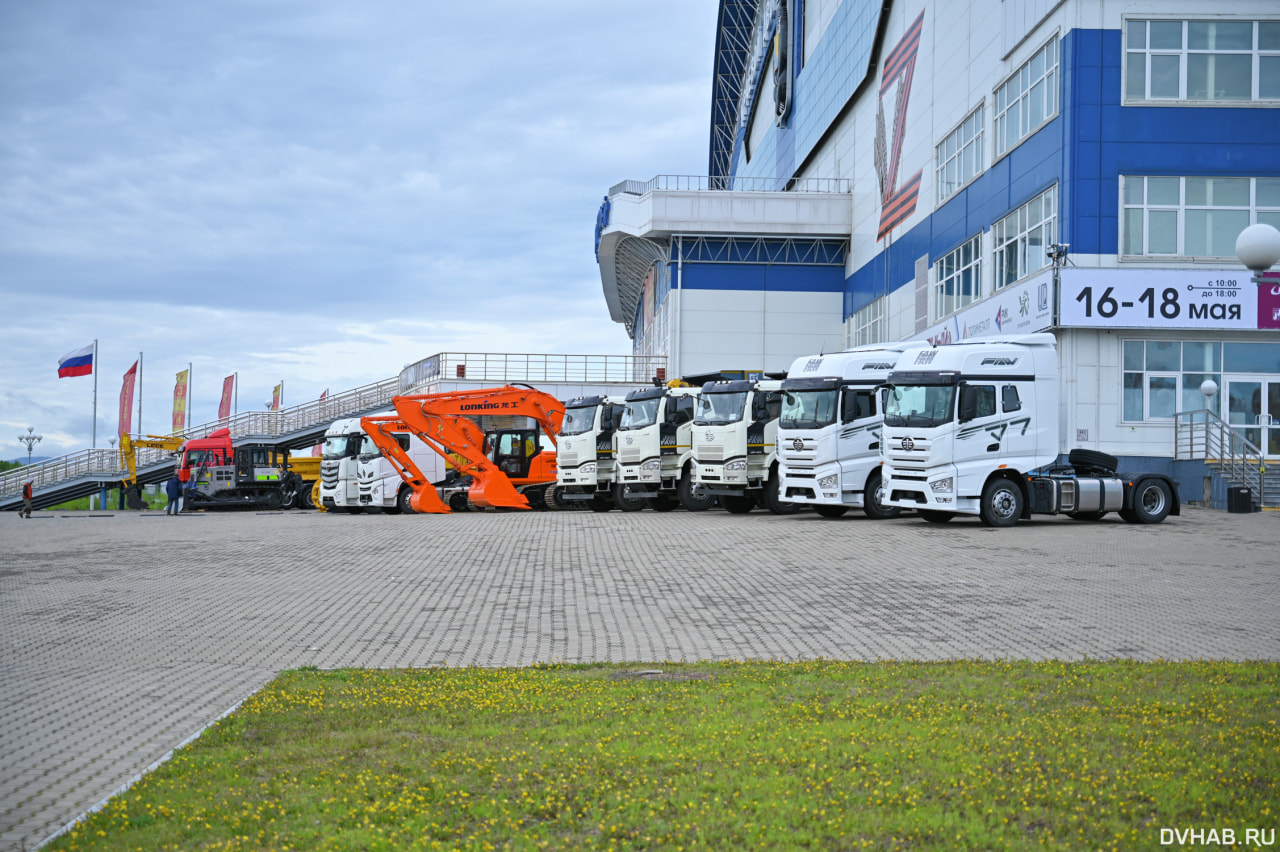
[(480, 406), (896, 204)]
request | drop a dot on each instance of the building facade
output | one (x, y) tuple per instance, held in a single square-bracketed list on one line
[(946, 170)]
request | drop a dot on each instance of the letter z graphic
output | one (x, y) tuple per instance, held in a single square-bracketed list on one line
[(896, 204)]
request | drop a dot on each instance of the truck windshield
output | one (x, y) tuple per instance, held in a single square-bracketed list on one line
[(925, 406), (640, 413), (808, 409), (342, 446), (578, 420), (368, 449), (719, 408)]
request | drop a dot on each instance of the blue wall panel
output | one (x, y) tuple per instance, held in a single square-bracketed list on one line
[(756, 276)]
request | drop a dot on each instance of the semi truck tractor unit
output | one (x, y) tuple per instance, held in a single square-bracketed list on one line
[(829, 433), (379, 485), (216, 475), (653, 452), (339, 462), (972, 428), (734, 444), (584, 460)]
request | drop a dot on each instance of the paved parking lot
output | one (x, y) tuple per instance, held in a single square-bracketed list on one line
[(125, 634)]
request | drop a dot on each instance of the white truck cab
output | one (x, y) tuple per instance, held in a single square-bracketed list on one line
[(971, 428), (584, 455), (653, 452), (378, 482), (734, 437), (338, 462), (829, 433)]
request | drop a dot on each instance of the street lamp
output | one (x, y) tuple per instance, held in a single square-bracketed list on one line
[(1258, 248), (30, 439)]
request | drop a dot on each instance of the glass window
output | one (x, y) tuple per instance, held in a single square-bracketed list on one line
[(984, 399), (1251, 357), (1009, 400), (959, 277), (1202, 356), (1134, 357), (960, 155), (1028, 98), (1202, 60), (1193, 399), (1133, 397), (1162, 397), (1164, 356), (1193, 216), (1021, 239)]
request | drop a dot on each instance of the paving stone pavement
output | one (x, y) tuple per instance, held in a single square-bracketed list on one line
[(122, 635)]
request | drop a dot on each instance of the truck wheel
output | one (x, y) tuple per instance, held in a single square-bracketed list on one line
[(624, 500), (935, 517), (663, 503), (828, 511), (693, 496), (773, 501), (601, 503), (1151, 503), (275, 500), (459, 502), (555, 498), (1001, 503), (735, 505), (873, 497), (1092, 460), (404, 501)]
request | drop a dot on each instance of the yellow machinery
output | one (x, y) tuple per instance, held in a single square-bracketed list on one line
[(129, 461)]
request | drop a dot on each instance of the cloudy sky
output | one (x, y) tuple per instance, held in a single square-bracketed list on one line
[(315, 191)]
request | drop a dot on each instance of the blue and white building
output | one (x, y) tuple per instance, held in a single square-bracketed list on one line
[(884, 170)]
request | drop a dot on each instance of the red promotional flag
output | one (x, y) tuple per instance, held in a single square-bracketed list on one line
[(180, 400), (126, 400), (228, 387), (276, 393)]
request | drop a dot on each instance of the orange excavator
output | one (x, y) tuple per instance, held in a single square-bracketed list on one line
[(508, 467)]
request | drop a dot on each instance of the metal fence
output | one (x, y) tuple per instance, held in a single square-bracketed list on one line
[(501, 368), (1205, 436), (729, 183)]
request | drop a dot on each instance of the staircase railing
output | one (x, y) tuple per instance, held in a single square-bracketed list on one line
[(1204, 435)]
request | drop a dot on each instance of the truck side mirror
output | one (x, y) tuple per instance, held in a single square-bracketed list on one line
[(968, 404), (848, 406)]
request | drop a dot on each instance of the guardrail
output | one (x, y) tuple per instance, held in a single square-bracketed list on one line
[(1203, 435), (729, 183), (502, 368)]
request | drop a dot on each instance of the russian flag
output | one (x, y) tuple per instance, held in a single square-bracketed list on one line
[(78, 363)]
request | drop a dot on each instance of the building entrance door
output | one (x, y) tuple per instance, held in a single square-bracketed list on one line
[(1253, 411)]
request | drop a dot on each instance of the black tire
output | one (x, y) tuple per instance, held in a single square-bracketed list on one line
[(773, 501), (663, 503), (1082, 459), (736, 505), (601, 503), (458, 502), (873, 497), (1001, 503), (1152, 502), (692, 496), (275, 500), (404, 500), (935, 517), (1086, 516), (304, 496), (828, 511), (555, 498), (623, 499)]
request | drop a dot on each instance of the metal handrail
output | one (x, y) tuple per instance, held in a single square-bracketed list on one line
[(729, 183), (503, 367), (1203, 435)]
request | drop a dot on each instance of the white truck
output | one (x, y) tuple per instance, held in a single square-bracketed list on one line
[(584, 455), (734, 444), (829, 431), (378, 482), (972, 428), (338, 462), (652, 452)]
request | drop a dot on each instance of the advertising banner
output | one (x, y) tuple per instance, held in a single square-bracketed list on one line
[(228, 388), (126, 400), (1021, 309), (1160, 299), (1269, 300), (180, 400)]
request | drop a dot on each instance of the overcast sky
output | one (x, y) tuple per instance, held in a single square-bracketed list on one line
[(315, 191)]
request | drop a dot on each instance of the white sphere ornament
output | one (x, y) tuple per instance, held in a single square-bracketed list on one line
[(1258, 247), (1208, 387)]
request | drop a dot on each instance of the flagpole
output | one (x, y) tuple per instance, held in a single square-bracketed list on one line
[(93, 440)]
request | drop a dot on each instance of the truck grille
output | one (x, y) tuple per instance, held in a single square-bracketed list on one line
[(711, 454), (566, 459), (916, 451), (630, 455)]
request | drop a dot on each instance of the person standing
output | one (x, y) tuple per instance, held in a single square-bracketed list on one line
[(26, 501), (173, 489)]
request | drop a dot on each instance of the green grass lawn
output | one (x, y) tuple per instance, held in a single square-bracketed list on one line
[(811, 755)]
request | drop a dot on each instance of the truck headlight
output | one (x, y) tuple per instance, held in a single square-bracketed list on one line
[(589, 467), (942, 485), (739, 464), (828, 481), (651, 464)]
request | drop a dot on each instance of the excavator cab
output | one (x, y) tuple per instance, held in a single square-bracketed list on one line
[(514, 449)]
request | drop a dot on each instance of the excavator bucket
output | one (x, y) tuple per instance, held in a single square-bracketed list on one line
[(426, 501), (496, 492)]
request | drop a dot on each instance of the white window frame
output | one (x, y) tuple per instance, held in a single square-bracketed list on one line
[(1017, 90), (1016, 230), (961, 148), (1258, 212), (950, 269), (869, 325), (1146, 52)]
